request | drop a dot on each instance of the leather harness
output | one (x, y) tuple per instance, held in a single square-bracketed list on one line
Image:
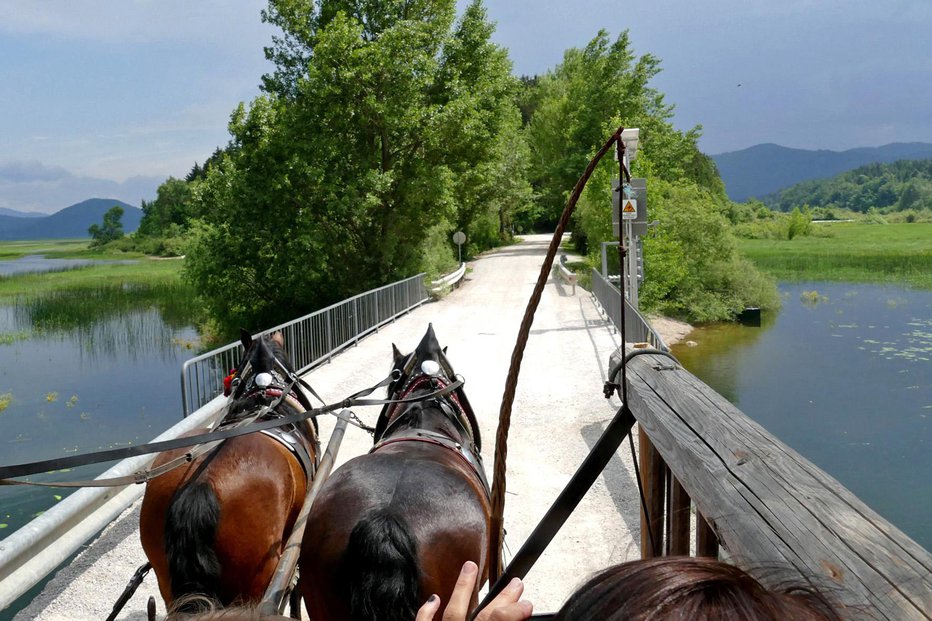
[(450, 405)]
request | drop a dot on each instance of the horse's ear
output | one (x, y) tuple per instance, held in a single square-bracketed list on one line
[(445, 350), (278, 338), (428, 347), (397, 356), (245, 338)]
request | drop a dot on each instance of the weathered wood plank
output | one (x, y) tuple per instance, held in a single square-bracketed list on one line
[(769, 506), (706, 541), (652, 469), (679, 519)]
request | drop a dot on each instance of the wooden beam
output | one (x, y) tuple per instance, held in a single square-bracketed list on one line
[(652, 470), (679, 519), (769, 506), (706, 541)]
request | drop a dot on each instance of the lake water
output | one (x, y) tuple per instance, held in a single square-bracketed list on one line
[(39, 263), (843, 374), (85, 371)]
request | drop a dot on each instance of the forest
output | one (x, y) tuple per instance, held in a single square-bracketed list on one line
[(387, 126), (900, 186)]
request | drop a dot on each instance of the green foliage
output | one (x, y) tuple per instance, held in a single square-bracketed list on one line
[(172, 207), (585, 98), (385, 129), (799, 222), (111, 229), (888, 188), (693, 269)]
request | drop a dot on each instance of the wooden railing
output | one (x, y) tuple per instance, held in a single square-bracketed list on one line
[(718, 484), (761, 505)]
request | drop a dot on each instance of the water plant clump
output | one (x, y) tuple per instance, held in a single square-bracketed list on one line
[(812, 298)]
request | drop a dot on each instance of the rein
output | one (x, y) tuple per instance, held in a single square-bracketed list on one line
[(7, 473)]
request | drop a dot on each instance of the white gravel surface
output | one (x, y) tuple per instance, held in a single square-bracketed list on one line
[(558, 414)]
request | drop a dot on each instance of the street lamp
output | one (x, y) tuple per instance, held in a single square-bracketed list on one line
[(630, 138)]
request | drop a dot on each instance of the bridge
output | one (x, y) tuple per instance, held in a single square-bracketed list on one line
[(715, 482), (559, 412)]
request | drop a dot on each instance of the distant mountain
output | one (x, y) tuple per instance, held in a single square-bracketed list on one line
[(766, 168), (69, 223), (20, 214)]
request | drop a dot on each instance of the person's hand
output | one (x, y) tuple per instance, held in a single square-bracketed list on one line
[(507, 605)]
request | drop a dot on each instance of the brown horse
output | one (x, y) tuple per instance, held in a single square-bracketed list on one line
[(218, 525), (394, 526)]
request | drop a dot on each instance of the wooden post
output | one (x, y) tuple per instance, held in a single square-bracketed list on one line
[(679, 519), (706, 541), (652, 467)]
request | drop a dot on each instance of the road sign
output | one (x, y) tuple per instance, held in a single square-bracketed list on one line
[(629, 209), (459, 238)]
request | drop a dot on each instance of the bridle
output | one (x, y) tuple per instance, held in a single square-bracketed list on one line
[(439, 397)]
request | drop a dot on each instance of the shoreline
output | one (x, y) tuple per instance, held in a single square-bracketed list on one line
[(672, 331)]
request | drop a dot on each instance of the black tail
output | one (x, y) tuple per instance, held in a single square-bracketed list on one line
[(190, 530), (382, 569)]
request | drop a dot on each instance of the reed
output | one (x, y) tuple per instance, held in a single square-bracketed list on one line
[(900, 253)]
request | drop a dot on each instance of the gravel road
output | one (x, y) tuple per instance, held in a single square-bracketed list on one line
[(558, 414)]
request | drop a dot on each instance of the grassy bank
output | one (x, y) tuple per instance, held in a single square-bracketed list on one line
[(853, 252), (145, 271)]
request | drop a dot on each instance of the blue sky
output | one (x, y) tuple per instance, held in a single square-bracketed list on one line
[(107, 98)]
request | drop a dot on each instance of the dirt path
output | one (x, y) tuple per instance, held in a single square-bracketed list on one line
[(558, 414)]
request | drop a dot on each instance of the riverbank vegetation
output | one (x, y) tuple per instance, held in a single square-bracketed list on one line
[(849, 251), (125, 269)]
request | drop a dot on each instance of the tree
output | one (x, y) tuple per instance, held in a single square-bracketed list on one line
[(383, 129), (110, 230), (172, 206)]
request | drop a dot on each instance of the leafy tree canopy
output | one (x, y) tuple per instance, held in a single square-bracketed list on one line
[(584, 99), (111, 229), (385, 127)]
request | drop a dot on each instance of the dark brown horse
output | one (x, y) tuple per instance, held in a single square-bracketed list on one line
[(394, 526), (217, 526)]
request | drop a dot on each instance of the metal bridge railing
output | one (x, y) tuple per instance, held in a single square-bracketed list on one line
[(638, 329), (309, 340)]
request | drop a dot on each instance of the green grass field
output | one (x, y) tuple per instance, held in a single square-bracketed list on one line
[(147, 271), (900, 253)]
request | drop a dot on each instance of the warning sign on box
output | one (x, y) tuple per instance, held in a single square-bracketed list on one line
[(629, 209)]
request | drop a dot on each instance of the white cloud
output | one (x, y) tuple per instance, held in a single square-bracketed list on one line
[(33, 186)]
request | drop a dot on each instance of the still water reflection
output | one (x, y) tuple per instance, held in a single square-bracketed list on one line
[(32, 263), (86, 370), (843, 375)]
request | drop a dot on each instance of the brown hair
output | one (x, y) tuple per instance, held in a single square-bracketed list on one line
[(196, 607), (697, 589)]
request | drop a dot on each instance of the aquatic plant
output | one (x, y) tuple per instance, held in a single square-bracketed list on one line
[(812, 298)]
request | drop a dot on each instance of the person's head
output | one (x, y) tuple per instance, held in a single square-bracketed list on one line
[(201, 608), (697, 589)]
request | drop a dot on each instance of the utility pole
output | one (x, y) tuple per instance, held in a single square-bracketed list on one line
[(626, 210)]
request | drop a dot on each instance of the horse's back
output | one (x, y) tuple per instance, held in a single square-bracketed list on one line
[(249, 479), (422, 493)]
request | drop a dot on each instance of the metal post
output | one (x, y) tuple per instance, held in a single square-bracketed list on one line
[(632, 265)]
